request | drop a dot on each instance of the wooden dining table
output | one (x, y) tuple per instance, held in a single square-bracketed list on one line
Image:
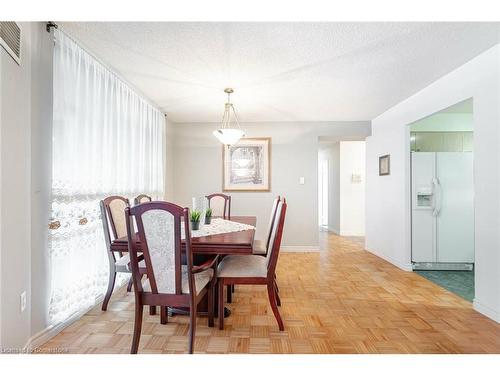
[(217, 244), (240, 242)]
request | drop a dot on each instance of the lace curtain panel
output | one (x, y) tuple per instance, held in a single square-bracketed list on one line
[(107, 140)]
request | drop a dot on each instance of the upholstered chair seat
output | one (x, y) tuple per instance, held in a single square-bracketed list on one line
[(201, 280), (243, 266), (123, 264)]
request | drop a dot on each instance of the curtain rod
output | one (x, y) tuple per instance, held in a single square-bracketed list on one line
[(50, 25)]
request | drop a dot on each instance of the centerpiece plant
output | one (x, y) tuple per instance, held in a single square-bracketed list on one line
[(195, 220), (208, 216)]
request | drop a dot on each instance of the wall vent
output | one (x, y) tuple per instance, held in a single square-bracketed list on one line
[(10, 39)]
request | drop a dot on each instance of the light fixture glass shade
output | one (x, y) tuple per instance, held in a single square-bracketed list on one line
[(228, 136), (230, 132)]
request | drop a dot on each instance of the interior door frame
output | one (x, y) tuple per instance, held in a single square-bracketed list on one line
[(408, 182), (408, 203), (323, 194)]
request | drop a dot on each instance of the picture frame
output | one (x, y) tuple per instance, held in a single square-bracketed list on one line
[(246, 166), (384, 165)]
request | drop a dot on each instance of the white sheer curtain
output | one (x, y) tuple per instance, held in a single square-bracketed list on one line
[(107, 140)]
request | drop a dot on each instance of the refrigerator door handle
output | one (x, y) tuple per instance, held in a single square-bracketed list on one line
[(439, 198), (434, 190), (436, 201)]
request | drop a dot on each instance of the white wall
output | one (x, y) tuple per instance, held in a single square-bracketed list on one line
[(25, 146), (388, 197), (41, 173), (15, 197), (352, 195), (198, 171)]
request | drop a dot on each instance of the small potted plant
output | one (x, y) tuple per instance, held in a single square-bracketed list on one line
[(195, 220), (208, 216)]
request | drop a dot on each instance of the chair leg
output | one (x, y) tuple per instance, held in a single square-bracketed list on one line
[(276, 283), (192, 326), (111, 285), (276, 292), (229, 294), (137, 328), (221, 304), (210, 306), (163, 314), (152, 310), (272, 300), (130, 282)]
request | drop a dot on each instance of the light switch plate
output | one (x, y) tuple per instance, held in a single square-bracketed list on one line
[(356, 178), (302, 180)]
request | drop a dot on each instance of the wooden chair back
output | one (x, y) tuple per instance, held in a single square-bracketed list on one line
[(276, 235), (159, 230), (220, 205), (142, 198), (271, 221), (113, 217)]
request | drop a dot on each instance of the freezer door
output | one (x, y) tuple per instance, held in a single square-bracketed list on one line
[(455, 221), (423, 240)]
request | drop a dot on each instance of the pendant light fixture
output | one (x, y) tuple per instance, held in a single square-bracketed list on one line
[(229, 134)]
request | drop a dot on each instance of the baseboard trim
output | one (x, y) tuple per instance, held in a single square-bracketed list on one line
[(51, 331), (485, 310), (352, 234), (334, 230), (404, 267), (300, 249)]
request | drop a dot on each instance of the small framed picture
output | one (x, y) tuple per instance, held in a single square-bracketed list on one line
[(384, 165), (247, 165)]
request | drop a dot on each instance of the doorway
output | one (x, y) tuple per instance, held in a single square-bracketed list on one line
[(442, 198), (323, 193), (341, 190)]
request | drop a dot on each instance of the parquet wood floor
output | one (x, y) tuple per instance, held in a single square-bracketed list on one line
[(342, 300)]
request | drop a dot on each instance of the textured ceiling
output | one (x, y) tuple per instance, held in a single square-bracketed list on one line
[(282, 71)]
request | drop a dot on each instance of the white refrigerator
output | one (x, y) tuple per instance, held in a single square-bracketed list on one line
[(442, 208)]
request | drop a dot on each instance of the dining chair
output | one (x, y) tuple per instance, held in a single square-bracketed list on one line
[(220, 205), (255, 269), (261, 247), (169, 282), (114, 226), (142, 198)]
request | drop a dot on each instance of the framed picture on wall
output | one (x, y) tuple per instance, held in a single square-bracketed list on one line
[(247, 165), (384, 165)]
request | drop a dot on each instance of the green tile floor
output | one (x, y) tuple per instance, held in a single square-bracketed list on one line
[(458, 282)]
